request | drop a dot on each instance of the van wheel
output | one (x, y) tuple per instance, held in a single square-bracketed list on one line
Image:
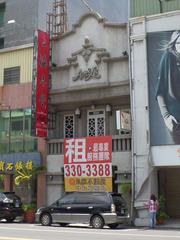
[(113, 225), (46, 219), (97, 222)]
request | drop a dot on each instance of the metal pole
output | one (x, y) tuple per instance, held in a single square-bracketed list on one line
[(23, 136), (160, 6), (9, 148)]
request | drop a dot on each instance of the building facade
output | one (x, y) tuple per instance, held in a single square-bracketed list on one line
[(155, 148), (16, 54), (89, 93), (18, 22), (139, 8)]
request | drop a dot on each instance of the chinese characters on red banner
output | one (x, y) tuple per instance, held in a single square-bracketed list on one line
[(87, 164), (40, 85)]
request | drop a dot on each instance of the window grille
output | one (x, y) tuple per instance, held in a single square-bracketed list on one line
[(96, 123), (69, 126), (51, 121), (12, 75)]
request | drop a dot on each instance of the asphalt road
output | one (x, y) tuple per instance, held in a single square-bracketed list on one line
[(21, 231)]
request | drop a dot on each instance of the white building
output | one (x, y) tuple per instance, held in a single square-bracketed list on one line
[(156, 158), (90, 85)]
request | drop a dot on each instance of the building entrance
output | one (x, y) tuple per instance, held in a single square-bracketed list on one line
[(169, 186)]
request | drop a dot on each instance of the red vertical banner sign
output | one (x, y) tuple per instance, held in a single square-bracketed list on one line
[(88, 164), (40, 86)]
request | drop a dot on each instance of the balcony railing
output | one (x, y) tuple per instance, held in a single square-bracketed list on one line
[(120, 143)]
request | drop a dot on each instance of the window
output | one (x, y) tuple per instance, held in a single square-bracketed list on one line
[(17, 125), (1, 43), (96, 123), (12, 75), (83, 198), (67, 199), (4, 131), (123, 120), (69, 126), (51, 121), (15, 129), (2, 12)]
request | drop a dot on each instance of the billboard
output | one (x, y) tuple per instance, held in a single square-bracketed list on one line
[(163, 51), (40, 84), (88, 164)]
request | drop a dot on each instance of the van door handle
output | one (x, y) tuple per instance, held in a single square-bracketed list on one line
[(68, 208), (90, 207)]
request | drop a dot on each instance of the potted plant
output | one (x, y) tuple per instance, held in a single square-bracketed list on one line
[(161, 214), (29, 212), (25, 176), (161, 217)]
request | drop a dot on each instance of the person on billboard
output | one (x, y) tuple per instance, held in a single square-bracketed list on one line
[(168, 86)]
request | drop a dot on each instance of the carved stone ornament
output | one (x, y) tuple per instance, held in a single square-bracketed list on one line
[(86, 52), (88, 74), (87, 49)]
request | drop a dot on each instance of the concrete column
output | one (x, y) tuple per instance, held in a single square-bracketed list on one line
[(41, 190), (7, 183), (41, 179)]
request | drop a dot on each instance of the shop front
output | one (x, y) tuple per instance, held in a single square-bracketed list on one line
[(155, 79), (16, 163)]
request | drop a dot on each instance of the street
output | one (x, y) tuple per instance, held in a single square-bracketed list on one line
[(21, 231)]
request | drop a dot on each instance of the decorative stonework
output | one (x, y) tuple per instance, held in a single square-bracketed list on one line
[(88, 74), (92, 70)]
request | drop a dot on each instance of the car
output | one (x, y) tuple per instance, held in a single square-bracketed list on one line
[(10, 206), (95, 208)]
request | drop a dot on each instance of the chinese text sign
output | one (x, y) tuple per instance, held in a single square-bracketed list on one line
[(40, 87), (87, 164)]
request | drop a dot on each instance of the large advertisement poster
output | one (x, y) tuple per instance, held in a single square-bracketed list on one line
[(87, 164), (40, 85), (163, 51)]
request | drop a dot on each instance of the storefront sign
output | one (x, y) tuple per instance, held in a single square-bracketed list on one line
[(10, 166), (10, 163), (40, 86), (87, 164)]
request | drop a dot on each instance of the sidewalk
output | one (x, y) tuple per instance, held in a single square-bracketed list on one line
[(170, 223)]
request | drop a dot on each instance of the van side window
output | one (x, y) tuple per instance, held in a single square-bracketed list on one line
[(84, 198), (100, 198), (68, 199)]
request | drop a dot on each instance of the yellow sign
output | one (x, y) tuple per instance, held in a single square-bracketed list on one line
[(10, 166), (88, 184)]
